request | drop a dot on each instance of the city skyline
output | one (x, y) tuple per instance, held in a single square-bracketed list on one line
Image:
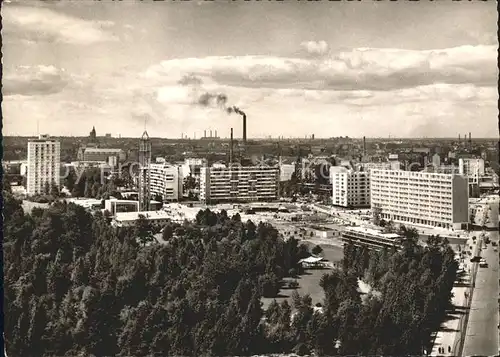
[(329, 69)]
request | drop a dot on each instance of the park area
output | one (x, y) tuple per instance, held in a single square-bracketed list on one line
[(309, 282)]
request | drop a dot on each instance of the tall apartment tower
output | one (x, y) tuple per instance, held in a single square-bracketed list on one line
[(44, 161), (144, 172)]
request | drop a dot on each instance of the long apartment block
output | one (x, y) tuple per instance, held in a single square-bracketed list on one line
[(238, 184), (420, 198)]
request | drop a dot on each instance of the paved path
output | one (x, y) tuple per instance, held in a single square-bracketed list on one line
[(449, 336), (482, 331)]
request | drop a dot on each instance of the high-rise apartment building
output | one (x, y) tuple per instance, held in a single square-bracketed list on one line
[(166, 181), (350, 188), (286, 171), (472, 168), (239, 184), (420, 198), (44, 161)]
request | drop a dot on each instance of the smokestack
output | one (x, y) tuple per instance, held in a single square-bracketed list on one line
[(244, 128), (182, 135), (210, 132), (312, 136), (364, 146), (216, 133), (204, 133), (231, 148), (194, 135), (458, 139)]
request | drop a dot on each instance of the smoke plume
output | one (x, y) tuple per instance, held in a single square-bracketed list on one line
[(206, 98), (211, 99), (234, 109)]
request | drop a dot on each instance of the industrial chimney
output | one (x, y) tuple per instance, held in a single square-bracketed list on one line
[(204, 133), (244, 128), (231, 148), (210, 132), (364, 146), (216, 134)]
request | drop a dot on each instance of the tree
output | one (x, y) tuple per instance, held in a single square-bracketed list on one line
[(168, 232), (143, 230), (46, 189), (317, 250), (376, 215), (54, 190)]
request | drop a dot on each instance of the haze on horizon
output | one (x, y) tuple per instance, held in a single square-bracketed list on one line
[(405, 69)]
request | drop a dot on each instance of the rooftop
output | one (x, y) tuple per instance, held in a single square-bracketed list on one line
[(102, 150), (133, 216), (372, 232)]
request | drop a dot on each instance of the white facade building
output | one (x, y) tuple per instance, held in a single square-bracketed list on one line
[(166, 181), (420, 198), (124, 219), (239, 184), (472, 168), (44, 161), (350, 188), (286, 172)]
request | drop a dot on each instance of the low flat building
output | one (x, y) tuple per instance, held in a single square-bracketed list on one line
[(115, 206), (126, 219), (238, 184), (87, 203), (371, 238)]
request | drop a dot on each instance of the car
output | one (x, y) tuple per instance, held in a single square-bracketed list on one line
[(475, 259)]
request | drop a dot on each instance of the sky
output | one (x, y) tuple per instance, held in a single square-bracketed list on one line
[(296, 68)]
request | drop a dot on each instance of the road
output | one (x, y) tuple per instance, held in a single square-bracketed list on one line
[(482, 331)]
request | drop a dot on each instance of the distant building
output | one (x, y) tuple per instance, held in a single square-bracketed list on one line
[(93, 136), (44, 164), (166, 181), (367, 166), (286, 171), (371, 238), (472, 168), (350, 188), (87, 203), (436, 160), (157, 218), (108, 135), (192, 166), (420, 198), (107, 155), (239, 184), (116, 206)]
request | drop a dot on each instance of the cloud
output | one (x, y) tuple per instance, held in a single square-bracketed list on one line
[(315, 47), (35, 80), (42, 24), (358, 69)]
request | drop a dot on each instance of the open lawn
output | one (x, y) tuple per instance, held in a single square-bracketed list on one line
[(309, 283)]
